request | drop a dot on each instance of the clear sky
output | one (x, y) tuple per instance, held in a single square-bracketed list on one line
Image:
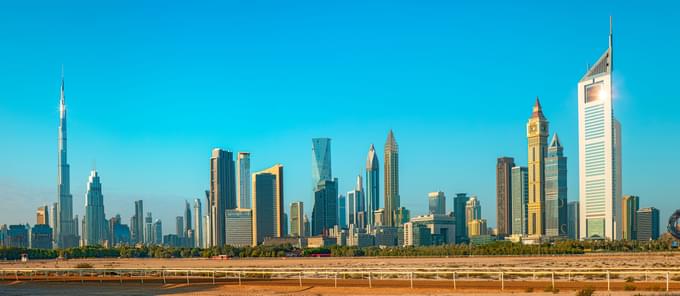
[(151, 88)]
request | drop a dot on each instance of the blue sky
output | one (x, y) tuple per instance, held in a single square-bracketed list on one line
[(152, 87)]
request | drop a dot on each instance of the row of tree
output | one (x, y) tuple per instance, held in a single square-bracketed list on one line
[(498, 248)]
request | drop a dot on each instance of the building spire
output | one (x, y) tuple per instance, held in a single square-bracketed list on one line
[(611, 44), (538, 111)]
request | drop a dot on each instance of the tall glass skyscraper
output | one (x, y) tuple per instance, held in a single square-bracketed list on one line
[(94, 231), (573, 220), (520, 199), (321, 161), (137, 223), (325, 211), (392, 199), (556, 190), (198, 225), (437, 202), (297, 212), (243, 179), (67, 235), (356, 207), (267, 192), (599, 152), (372, 185), (631, 204), (342, 211), (222, 192), (459, 203)]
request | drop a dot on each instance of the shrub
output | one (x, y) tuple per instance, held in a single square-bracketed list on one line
[(587, 291), (630, 279), (629, 287), (84, 265)]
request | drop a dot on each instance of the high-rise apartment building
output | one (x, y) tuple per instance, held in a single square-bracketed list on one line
[(187, 220), (179, 226), (325, 210), (356, 205), (137, 223), (473, 211), (267, 203), (297, 225), (573, 220), (94, 232), (504, 167), (392, 199), (42, 215), (148, 229), (599, 152), (198, 224), (647, 224), (222, 192), (520, 199), (630, 206), (556, 190), (240, 226), (437, 202), (342, 211), (459, 203), (243, 178), (537, 136)]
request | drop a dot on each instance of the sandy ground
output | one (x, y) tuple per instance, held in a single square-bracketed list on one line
[(603, 261)]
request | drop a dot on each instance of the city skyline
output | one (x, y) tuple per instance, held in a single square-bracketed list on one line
[(121, 190)]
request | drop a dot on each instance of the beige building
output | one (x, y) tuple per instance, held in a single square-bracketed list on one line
[(477, 227), (630, 206), (392, 200), (42, 215), (297, 225), (267, 203), (537, 136)]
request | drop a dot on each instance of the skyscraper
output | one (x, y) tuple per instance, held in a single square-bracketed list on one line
[(392, 200), (179, 226), (198, 214), (54, 218), (342, 211), (437, 202), (267, 203), (556, 190), (573, 220), (66, 226), (459, 203), (473, 211), (222, 192), (356, 205), (157, 232), (631, 204), (95, 222), (599, 152), (42, 216), (297, 212), (503, 195), (137, 223), (537, 136), (148, 229), (321, 161), (372, 195), (308, 227), (244, 179), (520, 200), (325, 210), (187, 220), (647, 224), (240, 227)]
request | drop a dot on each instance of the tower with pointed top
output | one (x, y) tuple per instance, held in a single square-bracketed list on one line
[(66, 234), (392, 201), (537, 136), (599, 152), (372, 185), (94, 221), (556, 190)]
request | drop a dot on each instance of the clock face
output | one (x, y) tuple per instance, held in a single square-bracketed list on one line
[(532, 128)]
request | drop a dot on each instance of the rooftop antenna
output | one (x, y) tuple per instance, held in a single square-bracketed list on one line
[(611, 44)]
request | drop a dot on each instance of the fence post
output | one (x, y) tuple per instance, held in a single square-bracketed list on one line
[(668, 276), (553, 280), (608, 282), (213, 277), (300, 278), (411, 279), (336, 279), (163, 274), (370, 283), (188, 277), (454, 281), (502, 281)]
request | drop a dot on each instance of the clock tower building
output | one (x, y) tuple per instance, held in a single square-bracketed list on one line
[(537, 136)]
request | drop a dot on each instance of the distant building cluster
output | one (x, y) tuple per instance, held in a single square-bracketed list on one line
[(244, 208)]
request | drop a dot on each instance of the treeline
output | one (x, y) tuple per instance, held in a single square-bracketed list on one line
[(495, 248)]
